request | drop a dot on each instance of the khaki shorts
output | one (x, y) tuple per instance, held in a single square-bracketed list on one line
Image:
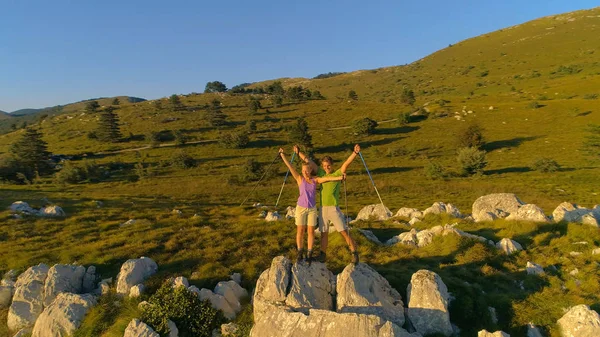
[(331, 215), (306, 216)]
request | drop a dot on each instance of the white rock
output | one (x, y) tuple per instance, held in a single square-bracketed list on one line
[(428, 303), (529, 212), (134, 271), (63, 278), (232, 292), (312, 287), (272, 285), (63, 316), (173, 331), (413, 221), (27, 303), (52, 211), (569, 212), (128, 222), (89, 280), (229, 329), (441, 208), (290, 212), (103, 287), (534, 269), (424, 238), (485, 333), (22, 207), (362, 290), (590, 219), (533, 331), (137, 290), (137, 328), (406, 238), (596, 251), (237, 278), (177, 212), (376, 211), (181, 282), (272, 216), (509, 246), (574, 272), (580, 321), (369, 235), (575, 254), (499, 205), (409, 213), (217, 302), (493, 315)]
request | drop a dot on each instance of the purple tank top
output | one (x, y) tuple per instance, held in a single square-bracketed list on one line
[(307, 198)]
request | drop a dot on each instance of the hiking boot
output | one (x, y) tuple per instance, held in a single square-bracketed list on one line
[(309, 257), (322, 257), (355, 257), (300, 255)]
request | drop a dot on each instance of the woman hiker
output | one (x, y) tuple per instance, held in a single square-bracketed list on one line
[(306, 208), (329, 200)]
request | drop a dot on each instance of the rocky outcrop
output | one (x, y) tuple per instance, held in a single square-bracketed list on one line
[(485, 333), (133, 272), (52, 211), (529, 212), (63, 278), (312, 287), (580, 321), (137, 328), (423, 238), (409, 213), (569, 212), (272, 285), (361, 290), (428, 303), (442, 208), (376, 211), (136, 291), (22, 207), (217, 301), (492, 206), (63, 316), (509, 246), (534, 269), (406, 238), (226, 297), (27, 303)]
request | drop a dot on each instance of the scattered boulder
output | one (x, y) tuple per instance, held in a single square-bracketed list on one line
[(409, 213), (272, 216), (229, 329), (370, 236), (376, 211), (137, 290), (232, 292), (52, 211), (290, 212), (237, 278), (413, 221), (498, 205), (509, 246), (441, 208), (529, 212), (63, 316), (22, 207), (580, 321), (569, 212), (128, 222), (173, 331), (575, 254), (181, 282), (63, 278), (312, 287), (591, 219), (534, 269), (362, 290), (428, 303), (133, 272), (533, 331), (596, 251), (137, 328), (485, 333), (103, 287), (406, 238), (27, 303), (424, 238), (176, 212), (217, 301)]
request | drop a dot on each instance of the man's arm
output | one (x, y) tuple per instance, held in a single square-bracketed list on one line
[(305, 159), (351, 158)]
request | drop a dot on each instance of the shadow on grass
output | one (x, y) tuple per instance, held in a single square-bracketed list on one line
[(516, 169), (582, 114), (396, 130), (262, 143), (392, 169), (514, 142)]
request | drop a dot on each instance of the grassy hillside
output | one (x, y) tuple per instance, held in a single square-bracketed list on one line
[(533, 88)]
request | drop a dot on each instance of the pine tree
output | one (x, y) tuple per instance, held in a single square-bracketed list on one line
[(92, 106), (108, 127), (214, 115), (298, 134), (31, 151), (175, 102), (116, 101)]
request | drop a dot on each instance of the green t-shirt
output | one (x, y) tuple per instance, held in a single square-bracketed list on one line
[(330, 191)]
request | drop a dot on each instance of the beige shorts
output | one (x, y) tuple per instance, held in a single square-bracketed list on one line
[(306, 216), (331, 215)]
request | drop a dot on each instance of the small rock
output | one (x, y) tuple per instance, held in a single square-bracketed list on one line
[(574, 272), (509, 246), (534, 269), (177, 212), (52, 211), (229, 329), (290, 212), (272, 216), (137, 328), (237, 278), (127, 223), (574, 254), (485, 333), (533, 331), (596, 251), (181, 281), (173, 331), (493, 315), (137, 290), (413, 221)]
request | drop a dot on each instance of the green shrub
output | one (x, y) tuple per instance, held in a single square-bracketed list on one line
[(72, 173), (471, 136), (534, 105), (192, 316), (404, 118), (9, 167), (253, 170), (546, 165), (590, 96), (364, 126), (180, 138), (471, 160), (182, 160), (434, 170), (234, 140)]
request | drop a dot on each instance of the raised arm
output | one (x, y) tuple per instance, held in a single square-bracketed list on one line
[(290, 167), (321, 180), (351, 158), (305, 159)]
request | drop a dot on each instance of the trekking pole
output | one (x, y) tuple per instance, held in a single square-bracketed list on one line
[(346, 202), (284, 180), (261, 178), (369, 173)]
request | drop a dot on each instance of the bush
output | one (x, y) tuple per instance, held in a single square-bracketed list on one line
[(472, 136), (433, 170), (534, 105), (71, 173), (364, 126), (192, 316), (234, 140), (253, 170), (546, 165), (9, 167), (182, 160), (180, 138), (472, 161), (404, 118)]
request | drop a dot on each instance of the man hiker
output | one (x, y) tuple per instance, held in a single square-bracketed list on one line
[(329, 201)]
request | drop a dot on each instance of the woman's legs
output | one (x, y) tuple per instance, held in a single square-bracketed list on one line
[(300, 237)]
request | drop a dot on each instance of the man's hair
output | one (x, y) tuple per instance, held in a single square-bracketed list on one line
[(327, 159)]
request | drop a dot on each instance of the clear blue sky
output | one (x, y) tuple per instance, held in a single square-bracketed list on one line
[(57, 52)]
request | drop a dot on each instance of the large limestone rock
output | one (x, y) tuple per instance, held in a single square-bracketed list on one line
[(497, 205), (63, 278), (89, 280), (217, 301), (133, 272), (6, 294), (52, 211), (63, 316), (137, 328), (591, 219), (569, 212), (485, 333), (529, 212), (407, 238), (580, 321), (272, 284), (232, 292), (441, 208), (409, 213), (428, 303), (376, 211), (362, 290), (27, 303), (508, 246), (312, 287)]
